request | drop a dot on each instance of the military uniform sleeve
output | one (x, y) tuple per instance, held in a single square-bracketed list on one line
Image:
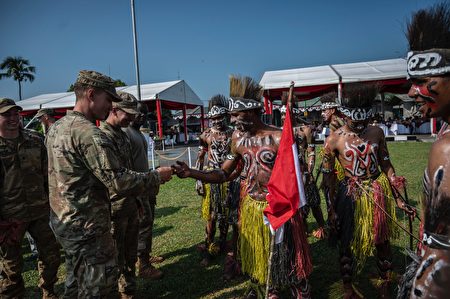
[(100, 157), (44, 165)]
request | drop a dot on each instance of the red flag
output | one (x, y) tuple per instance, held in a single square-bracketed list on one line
[(286, 192)]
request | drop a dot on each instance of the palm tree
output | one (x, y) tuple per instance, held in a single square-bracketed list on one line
[(19, 69)]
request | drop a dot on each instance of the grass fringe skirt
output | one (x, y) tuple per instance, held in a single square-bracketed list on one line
[(207, 202), (254, 239), (371, 225)]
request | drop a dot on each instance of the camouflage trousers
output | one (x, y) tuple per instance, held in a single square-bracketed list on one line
[(91, 267), (146, 229), (11, 261), (125, 230)]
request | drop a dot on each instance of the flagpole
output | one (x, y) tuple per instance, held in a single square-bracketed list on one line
[(272, 236)]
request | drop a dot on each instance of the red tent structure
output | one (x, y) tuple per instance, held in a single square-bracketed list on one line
[(172, 95)]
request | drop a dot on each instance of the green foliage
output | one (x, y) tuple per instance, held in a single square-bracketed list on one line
[(179, 228), (19, 69)]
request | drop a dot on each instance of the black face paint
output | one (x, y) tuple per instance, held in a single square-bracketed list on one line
[(218, 123), (243, 126), (429, 88)]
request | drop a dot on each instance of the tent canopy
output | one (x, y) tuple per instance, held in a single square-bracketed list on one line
[(312, 81), (173, 95)]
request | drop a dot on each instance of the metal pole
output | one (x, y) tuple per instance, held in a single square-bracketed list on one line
[(189, 157), (153, 157), (136, 61)]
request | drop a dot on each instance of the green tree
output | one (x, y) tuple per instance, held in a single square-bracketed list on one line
[(19, 69), (117, 83)]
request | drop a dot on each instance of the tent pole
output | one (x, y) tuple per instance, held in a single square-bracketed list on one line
[(185, 125), (266, 105), (159, 116), (202, 119), (382, 105)]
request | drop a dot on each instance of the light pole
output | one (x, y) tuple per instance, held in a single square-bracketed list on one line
[(136, 60)]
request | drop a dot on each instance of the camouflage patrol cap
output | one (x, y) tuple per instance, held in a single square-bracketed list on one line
[(98, 80), (6, 104), (45, 111), (128, 103)]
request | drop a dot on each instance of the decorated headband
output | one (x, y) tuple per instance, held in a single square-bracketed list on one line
[(241, 104), (216, 111), (294, 110), (357, 114), (432, 62), (329, 105)]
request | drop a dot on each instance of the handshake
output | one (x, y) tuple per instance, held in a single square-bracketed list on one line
[(180, 169)]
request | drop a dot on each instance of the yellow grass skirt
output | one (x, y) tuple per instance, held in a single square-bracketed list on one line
[(206, 202), (363, 243), (254, 239)]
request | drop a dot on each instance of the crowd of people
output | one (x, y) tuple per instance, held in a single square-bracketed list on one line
[(87, 189)]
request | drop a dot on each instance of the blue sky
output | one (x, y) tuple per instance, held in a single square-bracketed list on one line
[(200, 41)]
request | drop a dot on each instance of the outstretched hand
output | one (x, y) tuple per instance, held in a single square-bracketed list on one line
[(181, 169), (165, 174)]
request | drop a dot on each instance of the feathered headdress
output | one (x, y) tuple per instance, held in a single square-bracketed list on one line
[(245, 94), (428, 35), (357, 100), (218, 105)]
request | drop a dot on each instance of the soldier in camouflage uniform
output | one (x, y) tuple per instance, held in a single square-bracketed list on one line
[(139, 148), (83, 169), (124, 207), (24, 205)]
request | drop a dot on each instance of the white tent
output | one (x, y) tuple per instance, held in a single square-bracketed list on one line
[(177, 92), (37, 102), (335, 74)]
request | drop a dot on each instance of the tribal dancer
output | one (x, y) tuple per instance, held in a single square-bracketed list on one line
[(429, 71), (256, 145), (332, 117), (362, 214), (307, 159), (330, 112), (214, 142)]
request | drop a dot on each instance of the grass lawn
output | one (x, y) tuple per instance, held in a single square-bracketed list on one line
[(179, 228)]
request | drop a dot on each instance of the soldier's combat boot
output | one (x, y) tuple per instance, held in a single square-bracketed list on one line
[(147, 271)]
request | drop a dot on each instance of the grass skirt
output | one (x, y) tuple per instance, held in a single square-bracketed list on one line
[(291, 259), (214, 200), (362, 224)]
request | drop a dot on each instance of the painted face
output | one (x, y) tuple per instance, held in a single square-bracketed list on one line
[(218, 122), (357, 126), (433, 96), (10, 120), (242, 120), (101, 105), (124, 118), (327, 114)]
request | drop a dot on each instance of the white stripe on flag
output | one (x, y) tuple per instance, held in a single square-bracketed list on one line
[(298, 173)]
